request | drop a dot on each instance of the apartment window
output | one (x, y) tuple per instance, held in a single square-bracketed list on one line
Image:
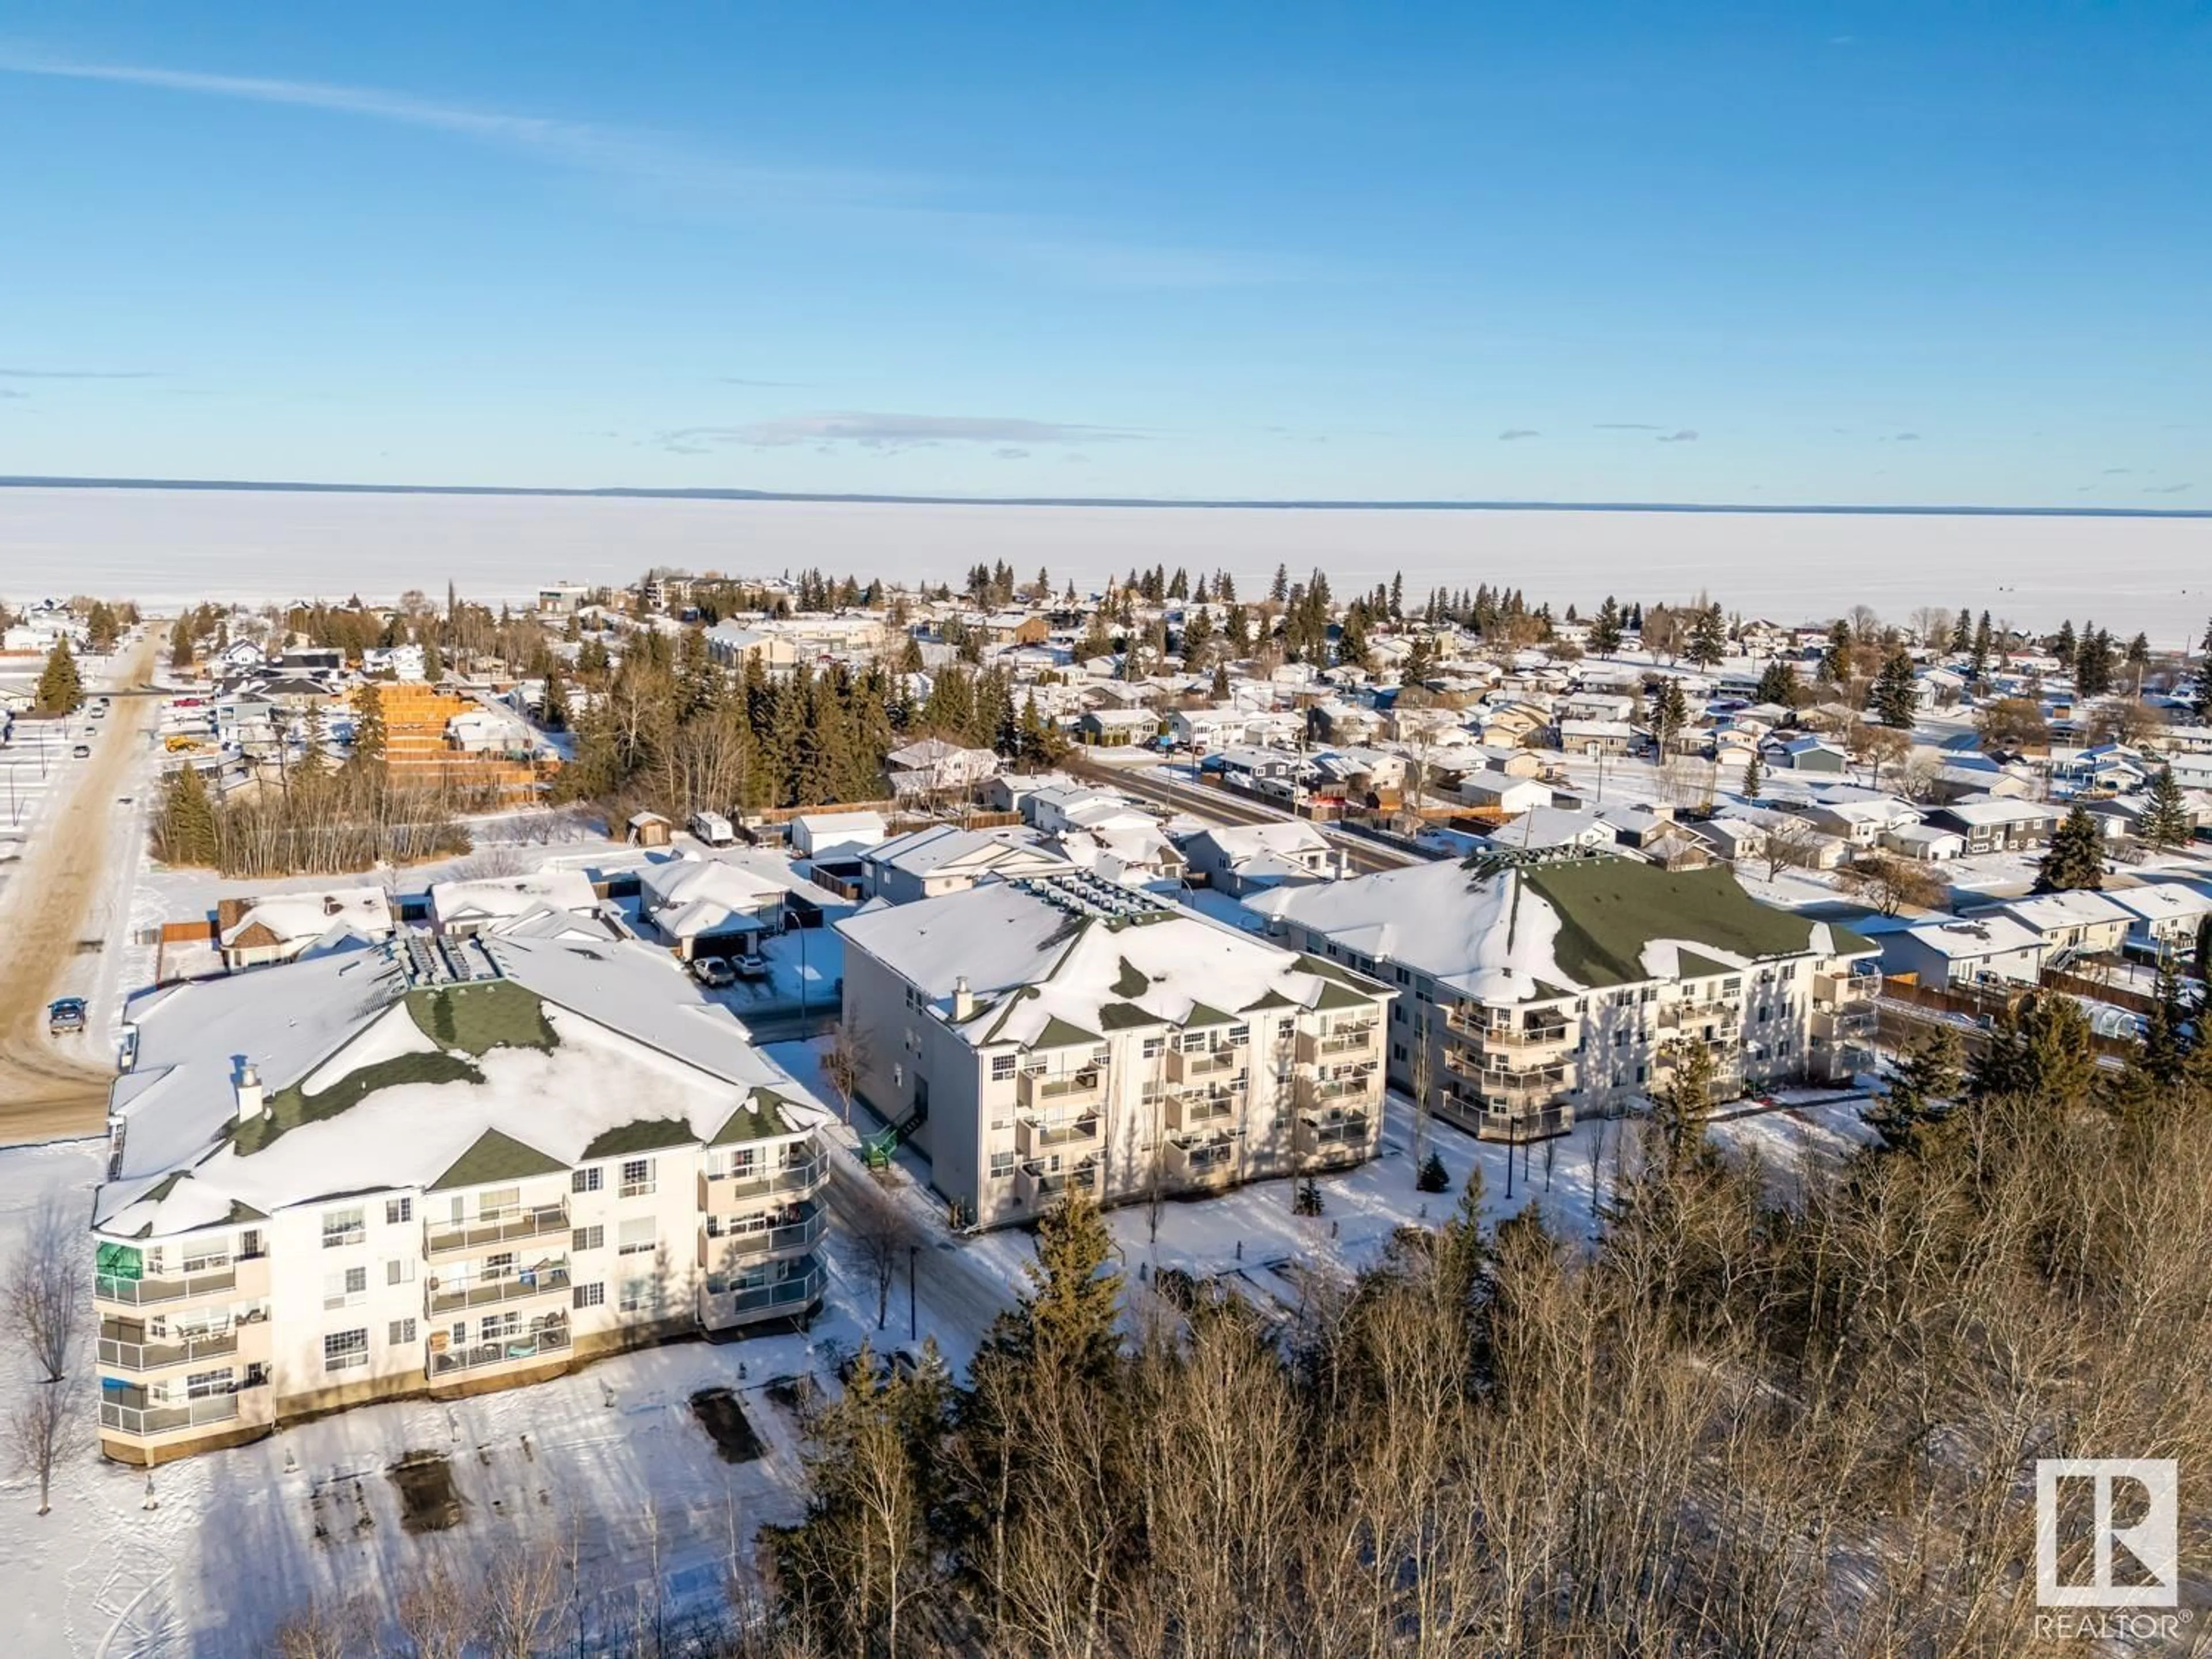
[(1398, 1052), (342, 1227), (400, 1334), (206, 1255), (586, 1239), (206, 1385), (636, 1294), (589, 1295), (343, 1289), (500, 1266), (1239, 1035), (399, 1210), (249, 1244), (637, 1177), (1002, 1069), (400, 1270), (344, 1350), (495, 1327), (495, 1203), (638, 1237), (1152, 1047), (585, 1181)]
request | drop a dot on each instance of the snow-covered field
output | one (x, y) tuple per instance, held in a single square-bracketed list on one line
[(174, 547)]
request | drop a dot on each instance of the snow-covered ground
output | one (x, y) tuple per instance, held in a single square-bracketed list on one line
[(179, 547)]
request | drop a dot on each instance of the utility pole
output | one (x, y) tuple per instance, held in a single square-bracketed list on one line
[(913, 1318)]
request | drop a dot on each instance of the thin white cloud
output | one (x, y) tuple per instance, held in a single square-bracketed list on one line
[(1512, 434), (868, 429), (1687, 435), (77, 374), (894, 208)]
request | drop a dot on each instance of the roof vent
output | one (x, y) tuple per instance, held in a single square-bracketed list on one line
[(248, 1087)]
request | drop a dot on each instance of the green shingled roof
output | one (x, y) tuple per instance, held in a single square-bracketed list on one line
[(644, 1134), (1610, 909), (760, 1119), (1201, 1014), (1060, 1034), (496, 1157)]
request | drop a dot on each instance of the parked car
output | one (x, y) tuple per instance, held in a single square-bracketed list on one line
[(82, 751), (65, 1016), (713, 971)]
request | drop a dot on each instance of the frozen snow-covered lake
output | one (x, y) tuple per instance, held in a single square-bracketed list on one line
[(166, 546)]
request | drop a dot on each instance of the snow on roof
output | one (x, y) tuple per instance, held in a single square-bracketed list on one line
[(2165, 901), (920, 852), (1284, 838), (487, 898), (289, 917), (1991, 933), (2044, 911), (1999, 812), (636, 1039), (687, 897), (1041, 971)]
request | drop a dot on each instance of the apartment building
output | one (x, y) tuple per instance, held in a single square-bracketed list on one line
[(1537, 986), (1034, 1034), (433, 1166)]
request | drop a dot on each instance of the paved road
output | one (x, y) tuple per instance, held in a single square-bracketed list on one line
[(1226, 807), (53, 1089)]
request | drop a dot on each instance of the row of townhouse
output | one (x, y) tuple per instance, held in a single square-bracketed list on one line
[(418, 1167), (1048, 1032), (1537, 987)]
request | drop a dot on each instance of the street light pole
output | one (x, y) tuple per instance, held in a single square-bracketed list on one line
[(913, 1317)]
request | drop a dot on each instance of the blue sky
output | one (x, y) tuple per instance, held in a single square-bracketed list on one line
[(1851, 253)]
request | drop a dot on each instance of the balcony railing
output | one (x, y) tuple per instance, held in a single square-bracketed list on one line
[(1187, 1065), (1194, 1108), (127, 1354), (1033, 1181), (523, 1346), (1064, 1089), (181, 1287), (534, 1223), (799, 1178), (1344, 1041), (549, 1280), (1698, 1013), (167, 1419), (730, 1244), (1204, 1160), (1497, 1032), (1033, 1135), (1335, 1091), (785, 1295)]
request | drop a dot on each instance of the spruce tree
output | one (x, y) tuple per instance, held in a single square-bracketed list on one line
[(1669, 713), (369, 725), (2165, 819), (188, 821), (60, 689), (1605, 631), (100, 628), (1893, 694), (1753, 775), (1065, 1319), (2076, 859), (181, 643), (1708, 638), (1836, 664), (1926, 1083)]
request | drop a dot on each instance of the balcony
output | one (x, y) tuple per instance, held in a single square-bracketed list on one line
[(1035, 1136), (1316, 1092), (124, 1347), (1721, 1013), (722, 1246), (547, 1279), (487, 1231), (245, 1277), (1035, 1184), (1330, 1138), (1495, 1031), (1195, 1162), (1036, 1090), (133, 1411), (784, 1297), (1845, 987), (549, 1341), (1201, 1109), (1345, 1042), (1194, 1065), (796, 1177)]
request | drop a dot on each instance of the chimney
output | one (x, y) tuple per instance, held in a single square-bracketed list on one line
[(964, 999), (249, 1093)]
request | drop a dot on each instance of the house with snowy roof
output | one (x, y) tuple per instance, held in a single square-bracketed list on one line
[(1536, 987), (1035, 1035), (433, 1166), (278, 926), (944, 858)]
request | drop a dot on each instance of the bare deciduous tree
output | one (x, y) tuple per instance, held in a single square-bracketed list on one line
[(1789, 843), (879, 1226), (44, 1300), (44, 1429), (845, 1064)]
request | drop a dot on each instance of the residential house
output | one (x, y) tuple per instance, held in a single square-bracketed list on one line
[(1989, 948), (2073, 925), (2163, 917), (252, 931), (943, 858), (829, 836), (1998, 826)]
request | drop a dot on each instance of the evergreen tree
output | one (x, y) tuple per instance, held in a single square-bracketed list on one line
[(1894, 693), (1983, 643), (2062, 645), (181, 643), (1279, 589), (60, 689), (433, 660), (2166, 820), (1926, 1084), (187, 824), (368, 725), (1753, 775), (1778, 684), (1065, 1320), (100, 628), (1836, 664), (1708, 638), (1670, 712), (1962, 632), (1684, 1106), (553, 707), (2042, 1047), (1220, 686), (1433, 1176), (1605, 629), (2076, 859)]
